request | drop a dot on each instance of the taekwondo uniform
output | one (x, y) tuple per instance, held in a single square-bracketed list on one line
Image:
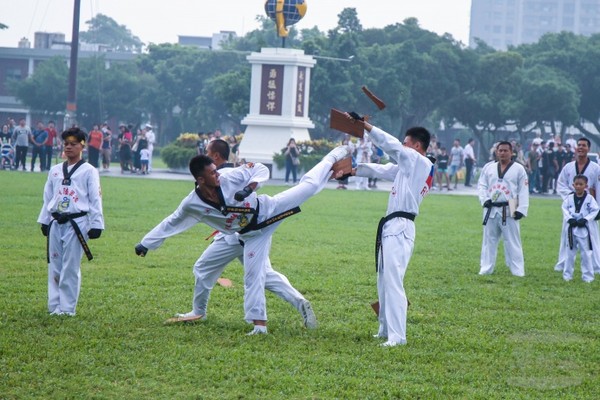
[(564, 187), (502, 188), (577, 237), (255, 218), (70, 205), (224, 249), (412, 176)]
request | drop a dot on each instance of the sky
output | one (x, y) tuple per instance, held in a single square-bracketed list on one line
[(156, 21)]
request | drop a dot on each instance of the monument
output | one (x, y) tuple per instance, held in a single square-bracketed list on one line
[(279, 92)]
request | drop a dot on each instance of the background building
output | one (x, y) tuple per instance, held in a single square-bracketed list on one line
[(503, 23)]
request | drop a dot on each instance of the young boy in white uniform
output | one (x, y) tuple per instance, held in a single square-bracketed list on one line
[(579, 210), (71, 214)]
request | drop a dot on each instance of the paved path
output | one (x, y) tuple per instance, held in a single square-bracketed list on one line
[(461, 190), (114, 171)]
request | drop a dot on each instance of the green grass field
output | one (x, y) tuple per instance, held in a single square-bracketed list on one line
[(469, 337)]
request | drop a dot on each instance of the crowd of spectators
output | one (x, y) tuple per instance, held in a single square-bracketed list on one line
[(543, 160), (17, 141)]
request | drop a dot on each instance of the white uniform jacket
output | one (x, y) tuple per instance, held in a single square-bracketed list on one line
[(589, 210), (412, 176), (564, 183), (193, 210), (83, 194), (512, 185)]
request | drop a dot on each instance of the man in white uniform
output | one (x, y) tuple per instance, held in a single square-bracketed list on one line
[(218, 202), (71, 214), (503, 187), (412, 174), (224, 249), (564, 186)]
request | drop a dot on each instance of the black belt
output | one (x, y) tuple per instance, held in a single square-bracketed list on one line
[(382, 221), (254, 226), (63, 219), (502, 204), (570, 236)]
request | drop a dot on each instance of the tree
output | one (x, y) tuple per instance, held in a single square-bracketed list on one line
[(105, 30), (46, 90), (105, 93)]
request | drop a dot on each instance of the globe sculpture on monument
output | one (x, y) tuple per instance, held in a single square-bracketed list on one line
[(279, 92), (285, 13)]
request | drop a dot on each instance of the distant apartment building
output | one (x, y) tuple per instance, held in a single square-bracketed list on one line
[(214, 42), (504, 23)]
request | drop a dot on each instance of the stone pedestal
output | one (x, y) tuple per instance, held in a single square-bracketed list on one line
[(279, 96)]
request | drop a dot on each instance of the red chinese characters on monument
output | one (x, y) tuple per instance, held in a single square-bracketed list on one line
[(271, 90), (300, 87)]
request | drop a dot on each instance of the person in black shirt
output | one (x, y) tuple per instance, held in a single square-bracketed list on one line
[(442, 168)]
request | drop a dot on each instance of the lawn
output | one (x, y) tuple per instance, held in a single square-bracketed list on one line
[(469, 337)]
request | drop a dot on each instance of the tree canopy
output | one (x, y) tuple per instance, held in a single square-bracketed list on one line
[(424, 78), (105, 30)]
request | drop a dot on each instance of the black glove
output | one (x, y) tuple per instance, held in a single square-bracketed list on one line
[(94, 233), (572, 222), (242, 194), (356, 116), (518, 215), (45, 229), (141, 250), (487, 204), (581, 222), (597, 216)]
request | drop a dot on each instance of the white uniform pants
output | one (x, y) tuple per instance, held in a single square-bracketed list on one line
[(513, 252), (64, 268), (394, 256), (209, 267), (563, 251), (257, 244), (587, 269)]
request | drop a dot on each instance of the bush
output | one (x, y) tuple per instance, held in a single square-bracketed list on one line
[(177, 155)]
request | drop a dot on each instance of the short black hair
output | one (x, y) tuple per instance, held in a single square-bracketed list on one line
[(582, 177), (506, 143), (586, 140), (78, 133), (419, 134), (198, 163), (221, 147)]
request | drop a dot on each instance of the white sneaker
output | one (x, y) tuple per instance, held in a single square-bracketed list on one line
[(390, 343), (56, 311), (339, 153), (190, 316), (258, 330), (310, 320), (68, 314)]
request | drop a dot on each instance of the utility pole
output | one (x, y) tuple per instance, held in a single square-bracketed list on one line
[(72, 93)]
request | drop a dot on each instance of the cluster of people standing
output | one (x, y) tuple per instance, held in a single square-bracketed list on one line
[(21, 138), (135, 152)]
